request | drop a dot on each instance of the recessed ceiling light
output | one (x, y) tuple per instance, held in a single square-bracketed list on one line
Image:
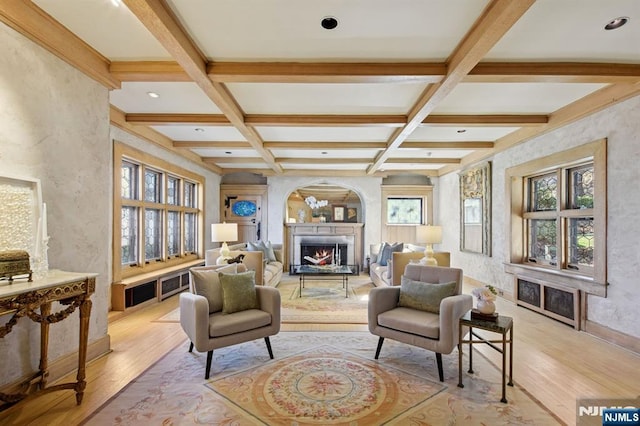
[(461, 130), (324, 153), (428, 154), (228, 152), (616, 23), (153, 95), (199, 129), (329, 22)]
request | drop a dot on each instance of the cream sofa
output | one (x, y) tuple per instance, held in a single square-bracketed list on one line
[(267, 273), (390, 274)]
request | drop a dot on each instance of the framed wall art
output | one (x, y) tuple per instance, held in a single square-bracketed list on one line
[(475, 209)]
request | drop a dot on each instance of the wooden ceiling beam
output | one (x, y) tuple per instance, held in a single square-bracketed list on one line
[(32, 22), (493, 120), (395, 160), (447, 145), (498, 17), (178, 119), (287, 72), (233, 160), (321, 72), (553, 72), (158, 18), (156, 71), (311, 120), (325, 145), (295, 160), (212, 144)]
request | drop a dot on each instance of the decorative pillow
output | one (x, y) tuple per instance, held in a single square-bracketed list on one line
[(389, 268), (207, 283), (238, 292), (386, 250), (424, 296), (268, 250)]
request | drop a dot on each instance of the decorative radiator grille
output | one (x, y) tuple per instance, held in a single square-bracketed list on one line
[(550, 300)]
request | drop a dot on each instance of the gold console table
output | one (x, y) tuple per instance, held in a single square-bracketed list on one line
[(33, 300)]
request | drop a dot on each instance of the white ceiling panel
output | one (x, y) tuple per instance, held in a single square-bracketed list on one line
[(246, 166), (217, 152), (417, 167), (328, 167), (441, 133), (176, 97), (328, 153), (208, 133), (325, 134), (112, 31), (572, 30), (512, 98), (258, 98), (429, 153), (367, 29)]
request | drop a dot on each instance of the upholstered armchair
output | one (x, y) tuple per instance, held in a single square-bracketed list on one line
[(210, 320), (420, 314)]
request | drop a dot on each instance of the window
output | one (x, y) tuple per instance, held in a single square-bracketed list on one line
[(158, 211), (551, 219), (558, 217), (404, 211)]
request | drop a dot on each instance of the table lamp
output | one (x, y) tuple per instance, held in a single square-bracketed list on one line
[(429, 235), (221, 233)]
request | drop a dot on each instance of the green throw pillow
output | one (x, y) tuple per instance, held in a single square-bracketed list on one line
[(238, 292), (424, 296), (205, 282)]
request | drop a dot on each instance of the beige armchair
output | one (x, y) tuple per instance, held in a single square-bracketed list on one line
[(437, 332), (208, 328)]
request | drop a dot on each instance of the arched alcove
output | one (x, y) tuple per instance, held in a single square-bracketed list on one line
[(323, 202)]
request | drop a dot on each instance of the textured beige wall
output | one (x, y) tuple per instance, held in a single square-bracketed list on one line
[(54, 126), (620, 124)]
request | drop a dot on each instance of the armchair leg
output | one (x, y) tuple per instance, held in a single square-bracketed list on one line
[(380, 342), (268, 342), (208, 368), (439, 361), (190, 346)]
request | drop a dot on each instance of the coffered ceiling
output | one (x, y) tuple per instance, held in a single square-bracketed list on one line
[(399, 86)]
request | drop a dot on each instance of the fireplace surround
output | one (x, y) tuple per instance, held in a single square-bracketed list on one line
[(343, 238)]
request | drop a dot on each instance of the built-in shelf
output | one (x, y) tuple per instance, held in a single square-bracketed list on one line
[(151, 287)]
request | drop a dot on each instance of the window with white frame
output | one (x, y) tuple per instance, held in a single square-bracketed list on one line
[(159, 213)]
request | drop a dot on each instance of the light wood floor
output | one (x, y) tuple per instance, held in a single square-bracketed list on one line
[(553, 362)]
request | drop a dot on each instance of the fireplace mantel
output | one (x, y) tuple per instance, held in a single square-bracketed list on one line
[(294, 230)]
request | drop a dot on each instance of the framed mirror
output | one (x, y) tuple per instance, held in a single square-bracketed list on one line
[(475, 209)]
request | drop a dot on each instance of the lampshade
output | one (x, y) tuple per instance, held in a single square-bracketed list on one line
[(223, 232), (429, 234)]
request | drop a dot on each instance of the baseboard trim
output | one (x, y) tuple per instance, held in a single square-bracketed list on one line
[(623, 340), (65, 364)]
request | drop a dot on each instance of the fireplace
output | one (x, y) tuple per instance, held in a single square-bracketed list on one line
[(324, 249), (344, 239), (313, 253)]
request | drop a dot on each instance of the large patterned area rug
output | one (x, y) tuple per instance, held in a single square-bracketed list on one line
[(318, 378)]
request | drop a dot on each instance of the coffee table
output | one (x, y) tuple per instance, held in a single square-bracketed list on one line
[(325, 272)]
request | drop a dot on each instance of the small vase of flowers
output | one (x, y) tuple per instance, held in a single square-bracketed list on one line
[(485, 297)]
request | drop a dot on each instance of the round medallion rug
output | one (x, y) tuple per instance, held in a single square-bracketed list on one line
[(325, 389)]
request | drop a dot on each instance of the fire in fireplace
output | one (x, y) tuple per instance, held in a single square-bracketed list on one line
[(323, 254)]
